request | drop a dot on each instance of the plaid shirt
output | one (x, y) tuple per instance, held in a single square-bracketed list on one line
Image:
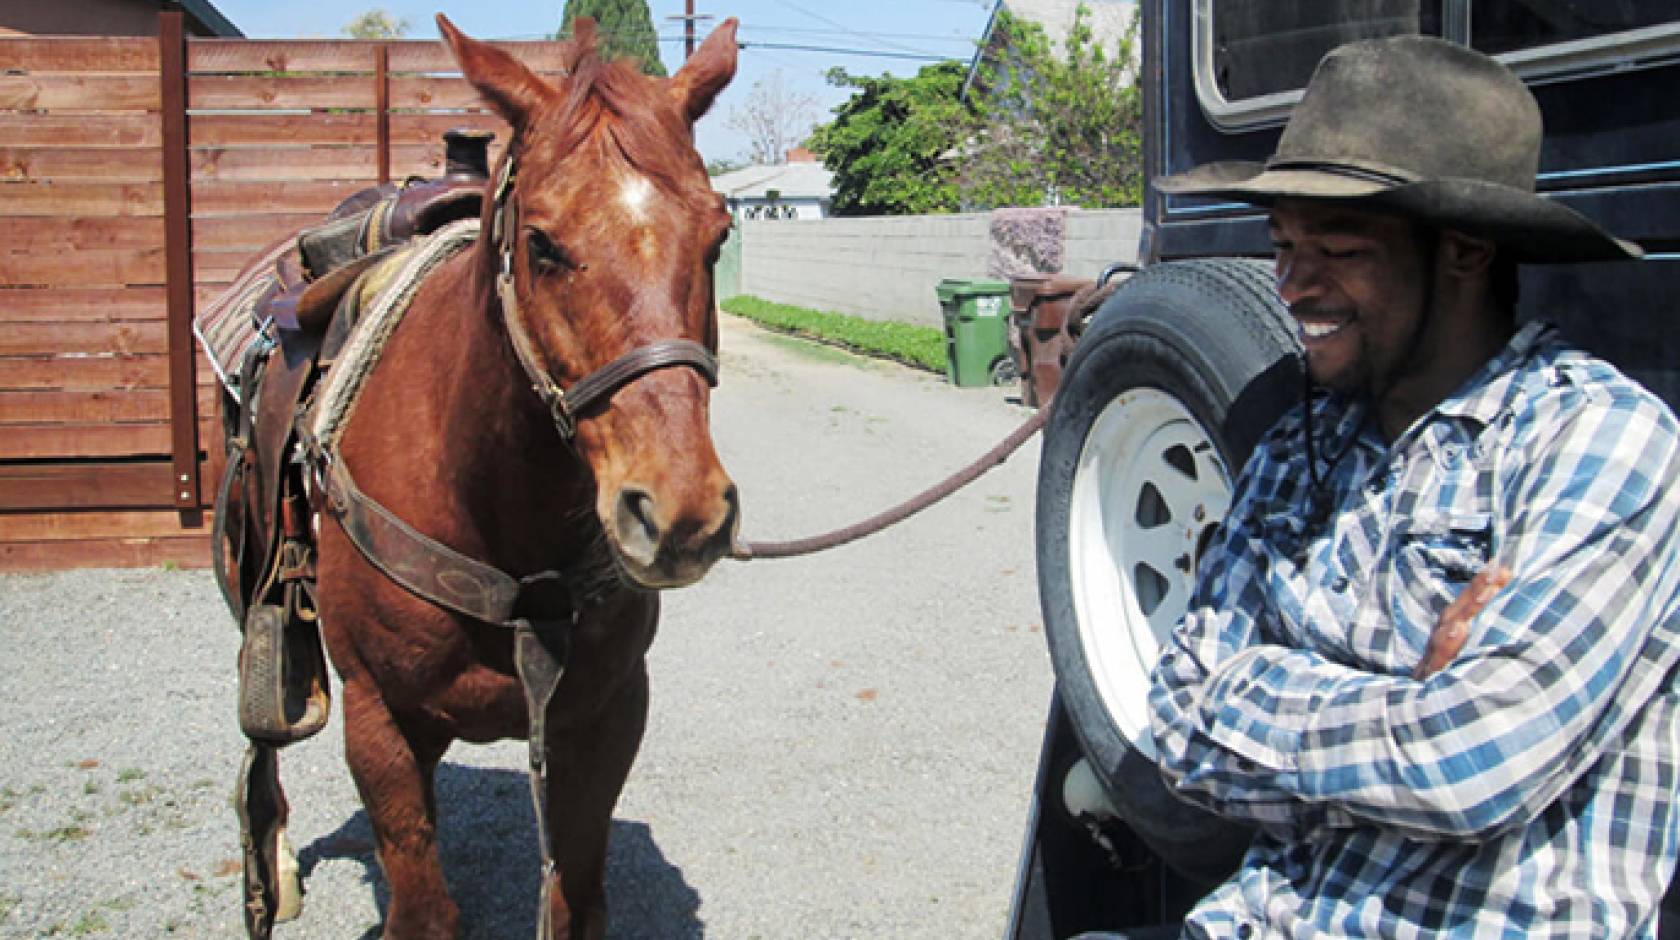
[(1526, 790)]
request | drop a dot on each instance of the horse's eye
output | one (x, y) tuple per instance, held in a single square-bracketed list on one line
[(545, 254)]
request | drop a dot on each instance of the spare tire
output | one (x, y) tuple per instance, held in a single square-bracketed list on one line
[(1173, 381)]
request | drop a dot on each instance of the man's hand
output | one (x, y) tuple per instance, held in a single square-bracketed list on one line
[(1454, 626)]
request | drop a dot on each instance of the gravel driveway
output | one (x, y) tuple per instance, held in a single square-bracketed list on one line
[(840, 746)]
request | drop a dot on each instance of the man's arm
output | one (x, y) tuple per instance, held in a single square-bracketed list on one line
[(1560, 661)]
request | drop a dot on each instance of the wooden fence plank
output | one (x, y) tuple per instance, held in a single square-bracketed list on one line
[(120, 130), (61, 163), (62, 526), (87, 372), (217, 197), (49, 198), (87, 485), (31, 305), (188, 550), (68, 233), (410, 128), (256, 129), (433, 92), (82, 267), (247, 233), (279, 91), (103, 406), (123, 338), (92, 371), (338, 55), (36, 441), (295, 163), (95, 484), (79, 92), (78, 54)]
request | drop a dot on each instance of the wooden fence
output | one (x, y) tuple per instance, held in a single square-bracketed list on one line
[(137, 175)]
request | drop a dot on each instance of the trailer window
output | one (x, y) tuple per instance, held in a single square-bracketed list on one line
[(1253, 57), (1512, 25), (1261, 47)]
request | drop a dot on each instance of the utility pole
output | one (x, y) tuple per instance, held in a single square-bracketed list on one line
[(689, 18), (688, 29)]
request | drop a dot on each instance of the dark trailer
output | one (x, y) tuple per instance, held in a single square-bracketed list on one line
[(1185, 366)]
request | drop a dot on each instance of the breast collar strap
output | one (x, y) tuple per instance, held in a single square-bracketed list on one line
[(567, 406)]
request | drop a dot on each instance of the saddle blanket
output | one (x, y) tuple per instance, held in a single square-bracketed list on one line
[(228, 327)]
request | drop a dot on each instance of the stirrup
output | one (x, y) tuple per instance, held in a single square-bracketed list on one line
[(283, 691)]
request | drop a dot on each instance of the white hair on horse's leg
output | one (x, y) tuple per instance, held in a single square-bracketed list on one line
[(288, 889)]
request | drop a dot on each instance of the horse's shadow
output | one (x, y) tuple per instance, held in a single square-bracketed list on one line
[(489, 846)]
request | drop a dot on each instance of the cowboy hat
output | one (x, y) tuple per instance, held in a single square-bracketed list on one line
[(1424, 128)]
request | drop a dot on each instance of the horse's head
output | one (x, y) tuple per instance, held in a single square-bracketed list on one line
[(602, 241)]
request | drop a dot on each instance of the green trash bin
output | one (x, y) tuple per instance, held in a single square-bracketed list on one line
[(976, 331)]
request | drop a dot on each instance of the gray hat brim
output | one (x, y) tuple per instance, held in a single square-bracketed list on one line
[(1533, 228)]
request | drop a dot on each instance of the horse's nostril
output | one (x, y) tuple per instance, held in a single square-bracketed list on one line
[(732, 500), (637, 525)]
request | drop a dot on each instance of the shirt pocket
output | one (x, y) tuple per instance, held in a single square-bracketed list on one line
[(1435, 556)]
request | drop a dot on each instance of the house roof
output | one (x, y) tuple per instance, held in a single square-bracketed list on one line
[(206, 13), (1108, 18), (803, 180)]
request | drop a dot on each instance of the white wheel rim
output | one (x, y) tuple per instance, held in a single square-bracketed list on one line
[(1147, 491)]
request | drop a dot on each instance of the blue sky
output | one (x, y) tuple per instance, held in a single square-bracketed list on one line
[(913, 32)]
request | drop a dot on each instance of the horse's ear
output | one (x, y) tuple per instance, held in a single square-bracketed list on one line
[(511, 88), (705, 73), (583, 40)]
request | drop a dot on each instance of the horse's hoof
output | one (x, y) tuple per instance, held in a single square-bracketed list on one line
[(288, 889)]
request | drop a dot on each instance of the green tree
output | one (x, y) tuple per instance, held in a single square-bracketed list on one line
[(377, 23), (890, 145), (625, 28), (1055, 129)]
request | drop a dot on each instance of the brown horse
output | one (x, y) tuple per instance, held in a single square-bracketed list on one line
[(612, 229)]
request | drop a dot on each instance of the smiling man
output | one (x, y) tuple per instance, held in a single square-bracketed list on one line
[(1432, 656)]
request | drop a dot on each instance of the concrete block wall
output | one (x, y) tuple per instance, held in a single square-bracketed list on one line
[(886, 267), (882, 268), (1098, 238)]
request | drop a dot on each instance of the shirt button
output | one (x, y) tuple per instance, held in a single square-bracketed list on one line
[(1340, 585)]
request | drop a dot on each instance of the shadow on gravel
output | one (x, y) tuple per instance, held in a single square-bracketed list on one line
[(489, 848)]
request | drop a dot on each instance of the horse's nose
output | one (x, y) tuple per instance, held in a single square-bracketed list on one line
[(646, 532)]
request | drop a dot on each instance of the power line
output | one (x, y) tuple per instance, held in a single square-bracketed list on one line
[(880, 54), (966, 40), (843, 27)]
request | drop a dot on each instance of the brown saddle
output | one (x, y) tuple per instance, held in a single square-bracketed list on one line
[(305, 304)]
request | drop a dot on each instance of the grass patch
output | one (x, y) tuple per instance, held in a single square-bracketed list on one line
[(919, 346)]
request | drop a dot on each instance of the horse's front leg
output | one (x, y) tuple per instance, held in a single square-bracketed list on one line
[(589, 759), (393, 769)]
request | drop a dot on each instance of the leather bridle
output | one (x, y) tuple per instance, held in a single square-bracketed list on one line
[(566, 406)]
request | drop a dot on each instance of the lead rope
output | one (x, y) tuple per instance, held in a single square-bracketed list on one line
[(1083, 311), (747, 551)]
